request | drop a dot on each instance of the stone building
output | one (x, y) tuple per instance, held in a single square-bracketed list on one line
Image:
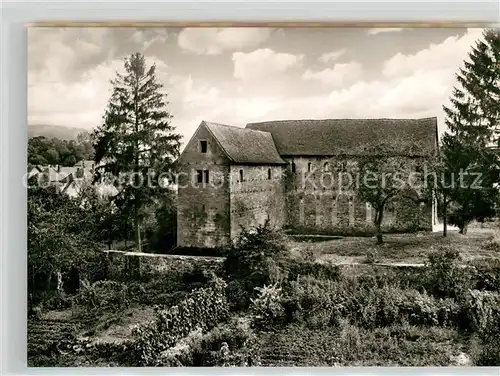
[(232, 178)]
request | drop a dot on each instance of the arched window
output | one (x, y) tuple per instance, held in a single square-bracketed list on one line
[(293, 166), (309, 167), (326, 167), (241, 176), (269, 174)]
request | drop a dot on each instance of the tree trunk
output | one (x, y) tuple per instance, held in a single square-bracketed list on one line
[(138, 242), (378, 223), (49, 280), (59, 282), (445, 218), (463, 228)]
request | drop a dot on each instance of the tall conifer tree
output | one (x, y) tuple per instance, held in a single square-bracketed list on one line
[(136, 143), (473, 122)]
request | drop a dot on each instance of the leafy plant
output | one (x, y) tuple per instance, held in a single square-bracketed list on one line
[(314, 269), (237, 297), (203, 310), (267, 306), (446, 277), (257, 257), (102, 295)]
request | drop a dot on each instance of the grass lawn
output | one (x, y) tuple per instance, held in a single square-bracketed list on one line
[(398, 248)]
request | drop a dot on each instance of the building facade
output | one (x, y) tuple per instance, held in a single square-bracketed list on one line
[(291, 173)]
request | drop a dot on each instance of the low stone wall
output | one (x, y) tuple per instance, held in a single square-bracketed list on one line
[(121, 264)]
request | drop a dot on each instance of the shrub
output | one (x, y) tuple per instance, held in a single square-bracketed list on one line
[(203, 309), (484, 311), (371, 256), (446, 277), (103, 295), (229, 344), (54, 301), (377, 307), (314, 269), (417, 308), (316, 302), (489, 354), (449, 313), (493, 243), (309, 254), (487, 274), (267, 306), (257, 257), (237, 297)]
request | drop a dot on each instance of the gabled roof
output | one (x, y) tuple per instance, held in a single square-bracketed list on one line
[(245, 145), (349, 136)]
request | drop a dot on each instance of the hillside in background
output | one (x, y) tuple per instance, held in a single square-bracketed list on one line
[(58, 131)]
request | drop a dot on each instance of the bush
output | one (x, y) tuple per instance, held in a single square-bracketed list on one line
[(314, 269), (268, 307), (103, 295), (313, 301), (487, 274), (371, 256), (493, 243), (309, 254), (484, 312), (483, 309), (54, 300), (323, 303), (257, 257), (446, 276), (203, 309), (237, 297), (228, 344)]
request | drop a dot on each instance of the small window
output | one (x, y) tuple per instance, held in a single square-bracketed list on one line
[(203, 146), (199, 176), (309, 167), (241, 176), (269, 174), (206, 176), (418, 168), (293, 167)]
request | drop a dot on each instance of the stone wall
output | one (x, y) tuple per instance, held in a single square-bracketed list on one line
[(318, 200), (258, 197), (203, 208), (155, 265)]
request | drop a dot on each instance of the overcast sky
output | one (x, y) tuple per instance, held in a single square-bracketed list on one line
[(235, 76)]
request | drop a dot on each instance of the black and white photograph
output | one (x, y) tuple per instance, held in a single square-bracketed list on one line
[(256, 196)]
